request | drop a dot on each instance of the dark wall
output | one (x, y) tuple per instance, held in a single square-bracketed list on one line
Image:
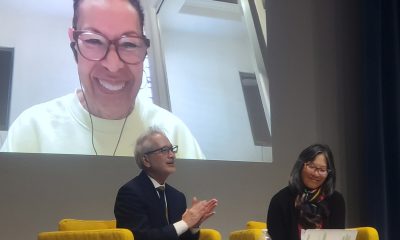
[(314, 68)]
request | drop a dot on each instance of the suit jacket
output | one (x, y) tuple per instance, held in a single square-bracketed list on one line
[(282, 219), (137, 207)]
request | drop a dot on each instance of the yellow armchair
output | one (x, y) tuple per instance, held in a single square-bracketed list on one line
[(76, 224), (256, 225), (103, 234), (366, 233), (209, 234), (74, 229), (254, 231)]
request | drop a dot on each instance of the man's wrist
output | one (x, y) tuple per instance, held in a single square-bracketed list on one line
[(181, 227)]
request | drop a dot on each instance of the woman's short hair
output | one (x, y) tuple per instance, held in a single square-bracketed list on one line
[(308, 155), (145, 144)]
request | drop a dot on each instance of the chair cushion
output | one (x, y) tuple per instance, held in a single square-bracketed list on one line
[(105, 234), (247, 234), (256, 225), (209, 234), (75, 224)]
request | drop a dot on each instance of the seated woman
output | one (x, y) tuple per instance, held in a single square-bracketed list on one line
[(310, 201)]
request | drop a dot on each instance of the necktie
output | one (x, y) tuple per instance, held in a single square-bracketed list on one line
[(163, 202)]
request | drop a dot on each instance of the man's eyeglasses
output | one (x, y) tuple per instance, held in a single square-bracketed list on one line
[(95, 46), (320, 171), (166, 149)]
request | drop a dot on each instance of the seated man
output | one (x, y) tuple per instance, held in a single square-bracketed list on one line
[(148, 206)]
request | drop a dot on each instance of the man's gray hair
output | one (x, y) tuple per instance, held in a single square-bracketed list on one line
[(144, 144)]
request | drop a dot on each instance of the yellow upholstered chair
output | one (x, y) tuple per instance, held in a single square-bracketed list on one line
[(74, 229), (209, 234), (254, 231), (366, 233), (256, 225), (76, 224), (102, 234)]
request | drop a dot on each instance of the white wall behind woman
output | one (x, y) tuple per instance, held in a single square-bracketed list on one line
[(206, 92), (44, 67)]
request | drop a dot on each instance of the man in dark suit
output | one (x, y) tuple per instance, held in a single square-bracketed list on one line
[(148, 206)]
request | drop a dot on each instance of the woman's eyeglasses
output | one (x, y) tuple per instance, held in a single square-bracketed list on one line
[(95, 46), (323, 171)]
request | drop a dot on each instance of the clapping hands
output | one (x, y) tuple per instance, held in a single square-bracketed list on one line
[(200, 211)]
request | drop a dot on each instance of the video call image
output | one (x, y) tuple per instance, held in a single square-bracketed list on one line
[(201, 78)]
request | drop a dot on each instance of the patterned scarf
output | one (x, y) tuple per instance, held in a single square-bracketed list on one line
[(312, 210)]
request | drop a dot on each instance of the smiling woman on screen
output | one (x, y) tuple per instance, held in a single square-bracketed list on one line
[(105, 116)]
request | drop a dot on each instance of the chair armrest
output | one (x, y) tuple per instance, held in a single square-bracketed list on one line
[(248, 234), (209, 234), (77, 224), (103, 234), (366, 233), (256, 225)]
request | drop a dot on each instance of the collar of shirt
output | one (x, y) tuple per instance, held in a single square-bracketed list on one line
[(155, 183)]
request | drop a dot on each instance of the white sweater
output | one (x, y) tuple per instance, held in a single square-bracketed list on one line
[(63, 126)]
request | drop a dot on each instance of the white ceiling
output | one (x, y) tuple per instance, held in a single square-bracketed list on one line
[(202, 16), (61, 8), (184, 15)]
